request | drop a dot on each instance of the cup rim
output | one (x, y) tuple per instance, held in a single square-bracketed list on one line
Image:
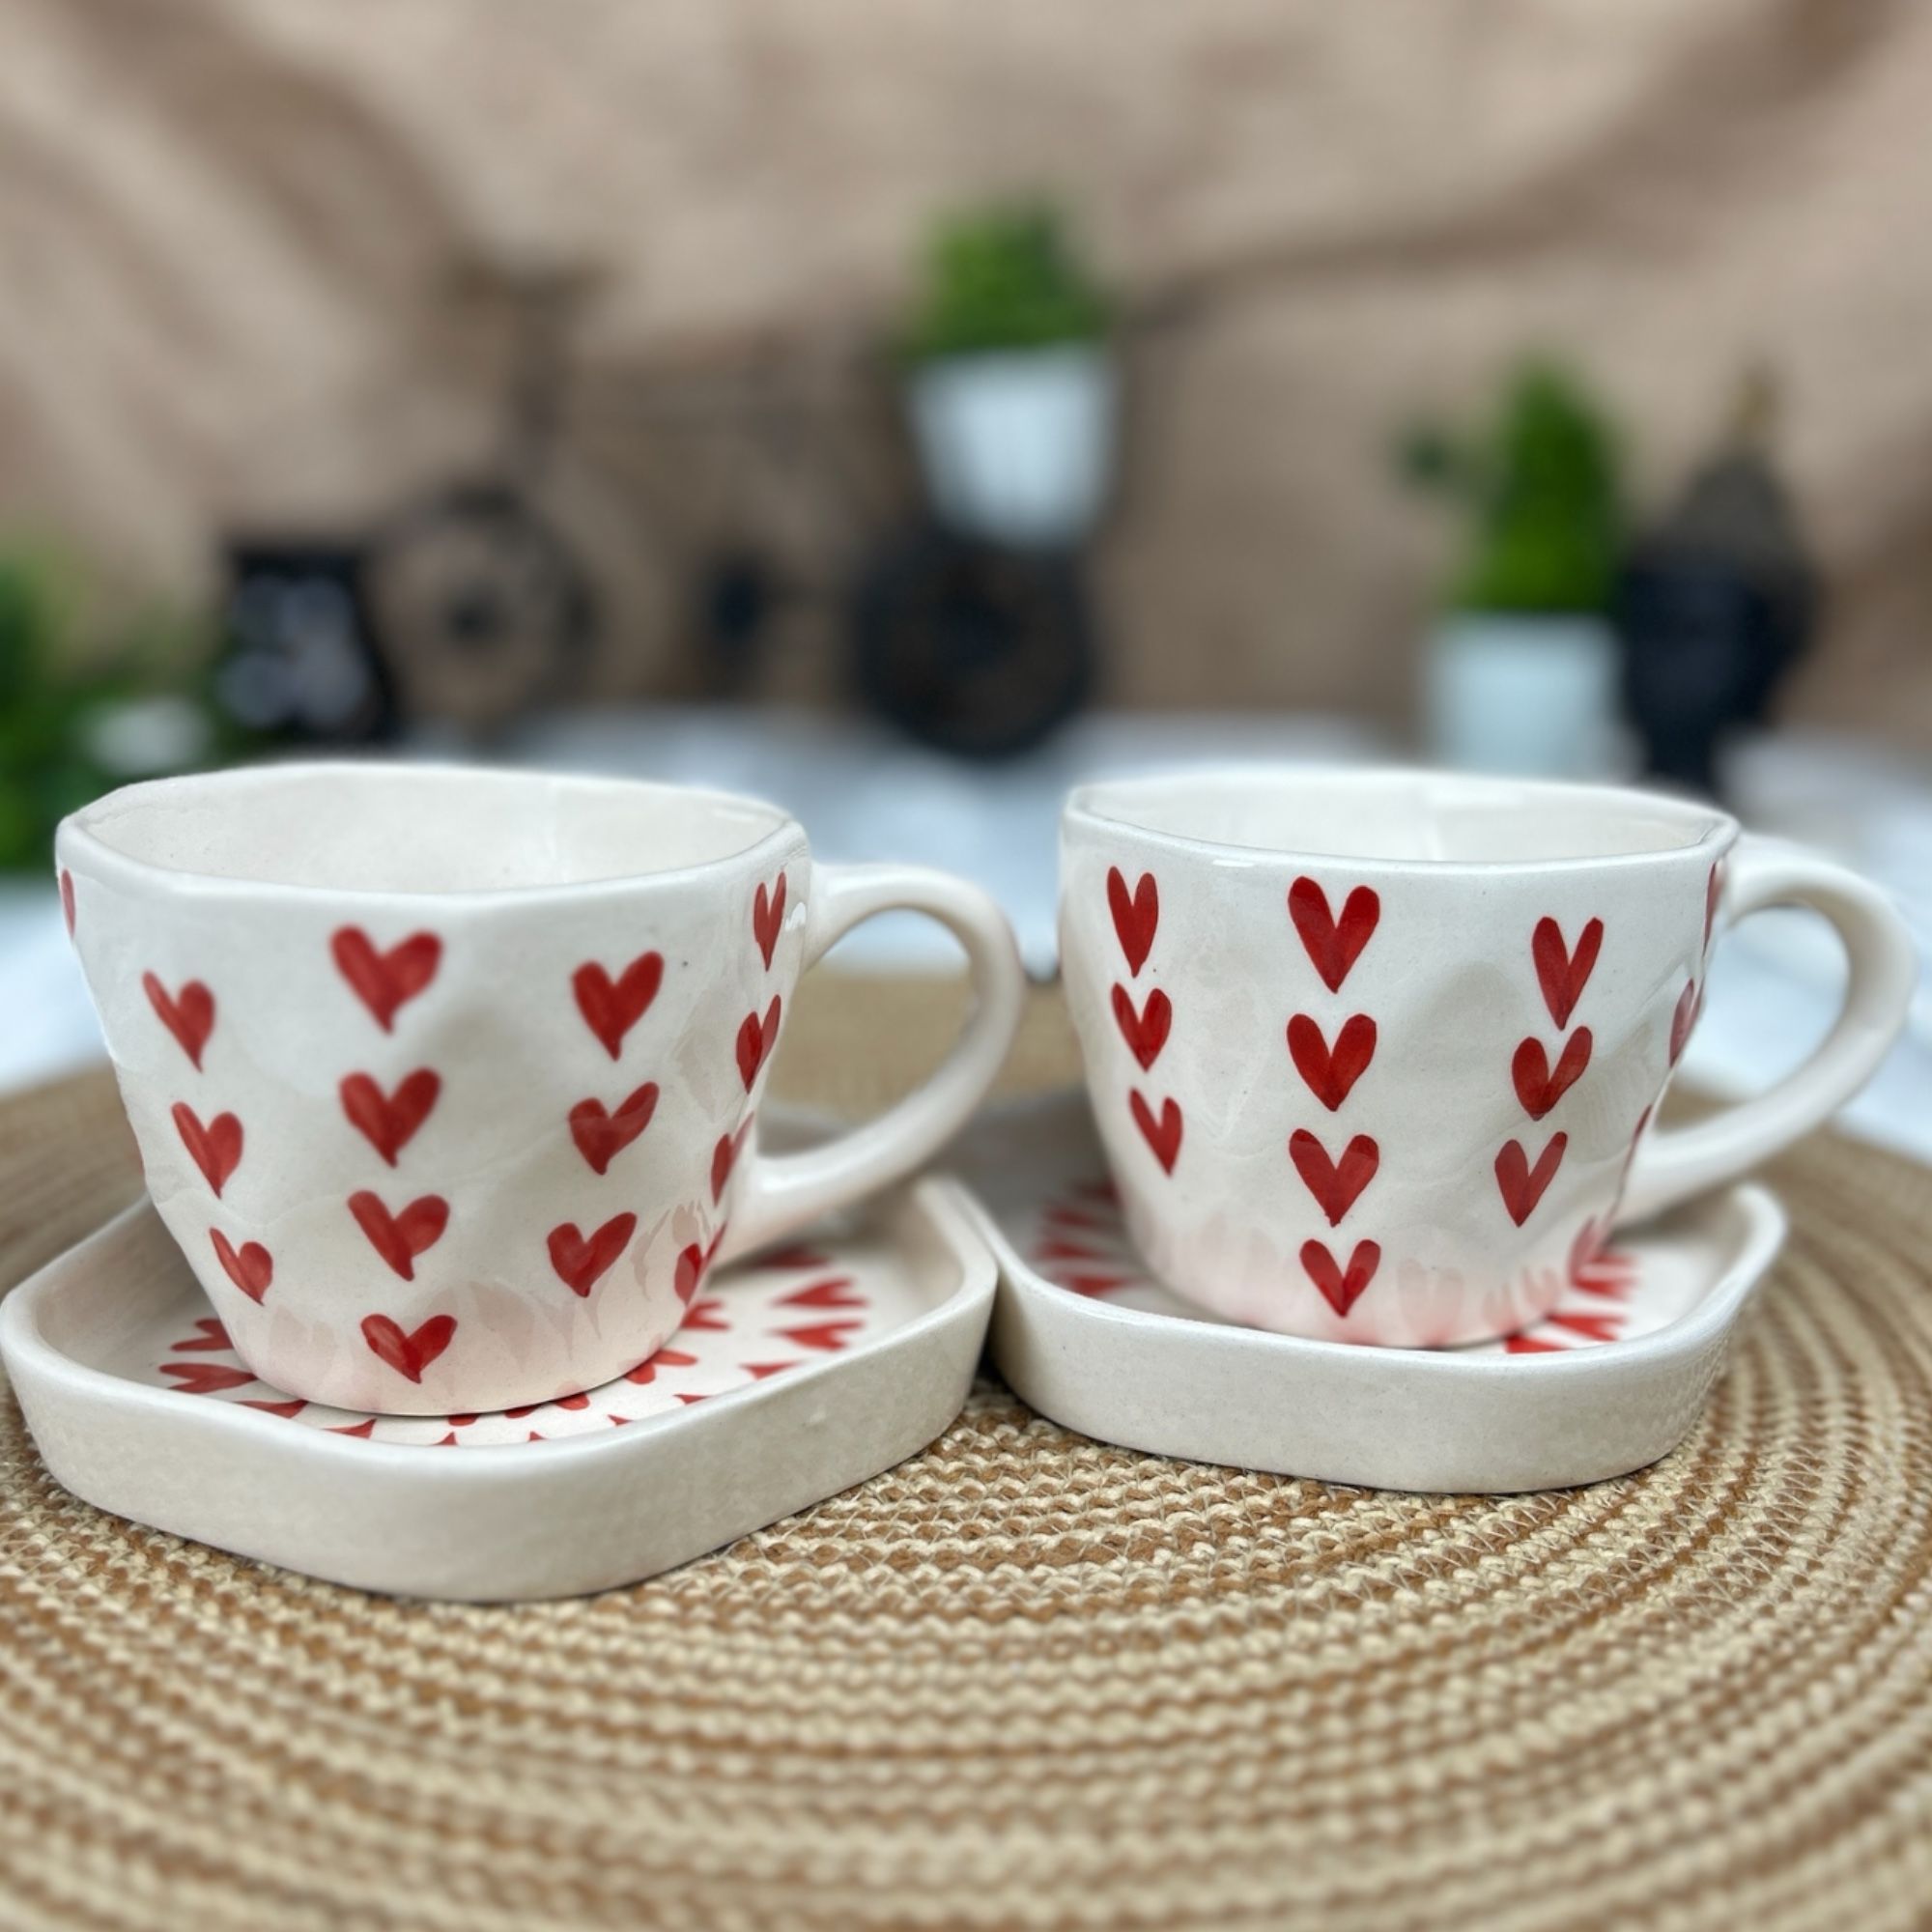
[(1086, 809), (79, 844)]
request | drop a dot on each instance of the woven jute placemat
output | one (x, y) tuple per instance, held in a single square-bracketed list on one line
[(1027, 1680)]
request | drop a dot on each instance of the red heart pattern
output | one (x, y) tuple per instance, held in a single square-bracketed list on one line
[(399, 1239), (725, 1157), (611, 1008), (1145, 1031), (1536, 1085), (1336, 1185), (1561, 973), (66, 900), (581, 1263), (835, 1291), (1332, 945), (1522, 1185), (665, 1358), (385, 982), (1162, 1136), (1331, 1072), (408, 1355), (601, 1136), (189, 1014), (388, 1122), (250, 1267), (1135, 918), (215, 1149), (206, 1378), (1682, 1020), (767, 918), (1339, 1290), (693, 1264), (756, 1039)]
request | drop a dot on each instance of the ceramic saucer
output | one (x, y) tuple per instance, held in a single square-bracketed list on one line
[(1613, 1379), (793, 1377)]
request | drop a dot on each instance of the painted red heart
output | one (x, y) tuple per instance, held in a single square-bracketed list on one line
[(208, 1334), (1521, 1185), (1145, 1031), (611, 1008), (1333, 946), (581, 1263), (1587, 1245), (1331, 1072), (215, 1149), (755, 1040), (250, 1267), (1135, 918), (724, 1156), (206, 1378), (1536, 1085), (189, 1014), (1713, 888), (1336, 1184), (388, 1122), (601, 1136), (767, 918), (691, 1265), (1682, 1020), (828, 1337), (1340, 1290), (1163, 1137), (408, 1355), (66, 900), (1562, 974), (665, 1358), (384, 982), (835, 1291), (399, 1239)]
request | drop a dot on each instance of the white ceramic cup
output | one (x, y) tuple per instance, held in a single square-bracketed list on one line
[(1374, 1054), (445, 1080)]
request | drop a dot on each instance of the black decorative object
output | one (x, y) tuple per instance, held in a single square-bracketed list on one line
[(970, 647), (299, 661), (1716, 602)]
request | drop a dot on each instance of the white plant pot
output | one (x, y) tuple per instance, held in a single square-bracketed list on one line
[(1018, 446), (1530, 697)]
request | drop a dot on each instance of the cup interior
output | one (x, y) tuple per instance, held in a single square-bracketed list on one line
[(421, 828), (1404, 817)]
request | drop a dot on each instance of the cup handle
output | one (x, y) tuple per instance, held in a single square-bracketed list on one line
[(1759, 873), (780, 1194)]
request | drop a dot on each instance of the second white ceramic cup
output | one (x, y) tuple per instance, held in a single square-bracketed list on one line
[(1375, 1056)]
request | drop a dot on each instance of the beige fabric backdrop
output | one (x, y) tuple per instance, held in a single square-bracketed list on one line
[(223, 225)]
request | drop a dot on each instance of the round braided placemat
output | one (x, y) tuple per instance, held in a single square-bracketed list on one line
[(1026, 1680)]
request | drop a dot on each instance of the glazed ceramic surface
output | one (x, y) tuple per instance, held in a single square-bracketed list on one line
[(446, 1082), (795, 1376), (1611, 1378), (1374, 1056)]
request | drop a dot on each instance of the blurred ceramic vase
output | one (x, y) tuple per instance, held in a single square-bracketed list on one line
[(1526, 695), (1018, 446)]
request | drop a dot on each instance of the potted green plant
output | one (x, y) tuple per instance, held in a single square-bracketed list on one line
[(1520, 672), (1011, 386), (86, 702)]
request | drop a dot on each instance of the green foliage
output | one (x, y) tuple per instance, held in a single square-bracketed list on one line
[(1003, 276), (1541, 493), (60, 675)]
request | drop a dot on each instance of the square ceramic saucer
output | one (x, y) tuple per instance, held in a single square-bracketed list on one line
[(1612, 1379), (793, 1377)]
